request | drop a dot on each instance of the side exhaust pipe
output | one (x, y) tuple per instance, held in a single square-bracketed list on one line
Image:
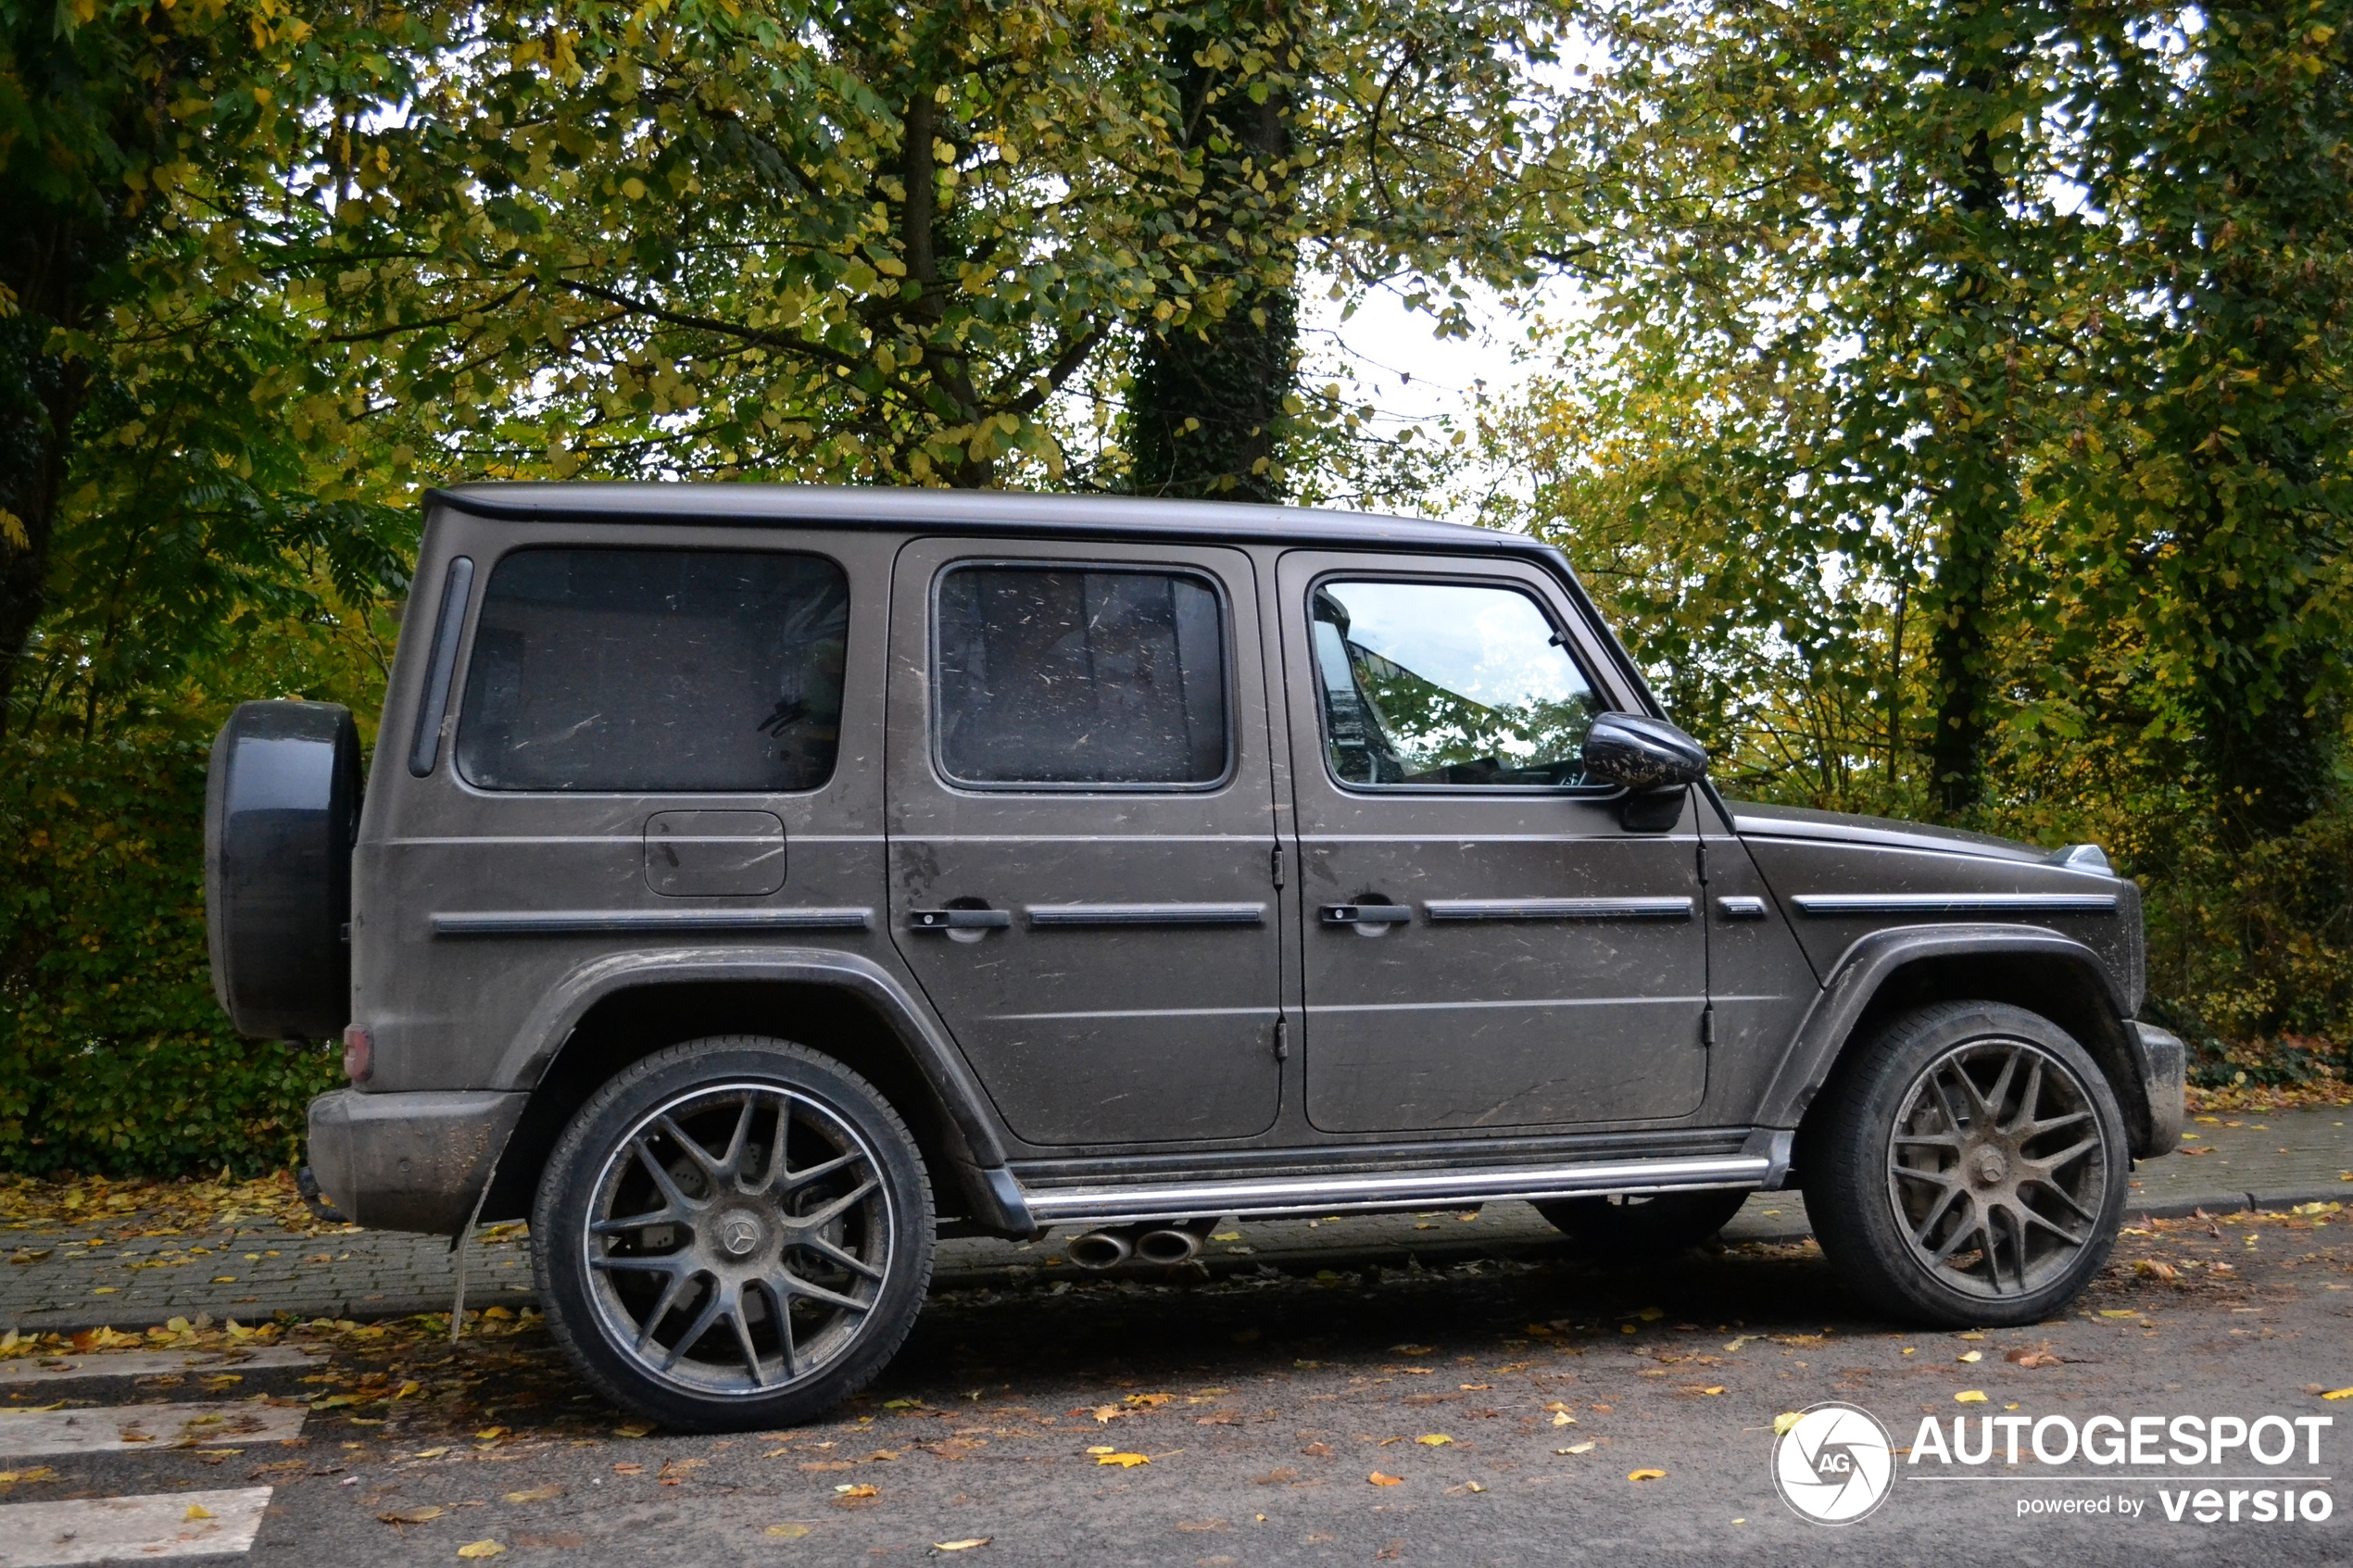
[(1099, 1249), (1168, 1244)]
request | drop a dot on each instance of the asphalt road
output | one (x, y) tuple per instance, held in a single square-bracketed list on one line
[(1264, 1405)]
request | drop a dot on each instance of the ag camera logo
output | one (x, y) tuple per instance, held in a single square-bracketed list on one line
[(1834, 1463)]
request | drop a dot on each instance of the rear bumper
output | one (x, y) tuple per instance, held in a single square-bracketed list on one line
[(410, 1162), (2164, 1066)]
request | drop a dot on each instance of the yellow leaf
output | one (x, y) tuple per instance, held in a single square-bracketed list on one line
[(488, 1433), (1433, 1440), (1784, 1421), (1971, 1356), (789, 1532), (1149, 1401), (197, 1511), (1578, 1449), (537, 1493), (633, 1429), (1646, 1475), (1968, 1396), (2339, 1394), (1377, 1479), (1561, 1418), (1717, 1388), (1103, 1448), (859, 1490), (412, 1515), (481, 1548), (1124, 1461), (962, 1546)]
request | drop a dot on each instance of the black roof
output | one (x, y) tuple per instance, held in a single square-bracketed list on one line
[(961, 511)]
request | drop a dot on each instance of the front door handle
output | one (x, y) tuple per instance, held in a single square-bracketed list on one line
[(1367, 914), (958, 920)]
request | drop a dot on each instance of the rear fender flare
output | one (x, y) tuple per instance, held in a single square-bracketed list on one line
[(1867, 966), (986, 1181)]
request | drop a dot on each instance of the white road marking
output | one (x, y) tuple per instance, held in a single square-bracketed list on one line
[(94, 1430), (148, 1363), (47, 1535)]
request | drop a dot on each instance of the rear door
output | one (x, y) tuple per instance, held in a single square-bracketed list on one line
[(1081, 823), (1488, 942)]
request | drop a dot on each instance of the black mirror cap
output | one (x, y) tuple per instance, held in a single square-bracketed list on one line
[(1639, 752)]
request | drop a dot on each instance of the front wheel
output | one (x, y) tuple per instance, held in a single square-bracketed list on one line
[(735, 1233), (1971, 1168)]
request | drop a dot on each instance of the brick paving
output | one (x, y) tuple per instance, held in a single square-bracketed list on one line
[(70, 1278)]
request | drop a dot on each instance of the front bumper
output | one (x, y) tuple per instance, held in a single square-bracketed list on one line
[(2164, 1064), (410, 1162)]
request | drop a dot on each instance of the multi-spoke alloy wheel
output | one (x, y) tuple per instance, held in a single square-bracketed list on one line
[(1997, 1168), (735, 1233), (1967, 1166)]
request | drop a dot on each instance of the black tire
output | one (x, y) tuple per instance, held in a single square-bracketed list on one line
[(1968, 1168), (1643, 1224), (724, 1294)]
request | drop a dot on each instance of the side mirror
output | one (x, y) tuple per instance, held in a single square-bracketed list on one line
[(1639, 752)]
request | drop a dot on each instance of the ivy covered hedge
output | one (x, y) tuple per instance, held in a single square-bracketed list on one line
[(114, 1056)]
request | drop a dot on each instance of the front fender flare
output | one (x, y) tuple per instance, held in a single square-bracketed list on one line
[(1867, 966)]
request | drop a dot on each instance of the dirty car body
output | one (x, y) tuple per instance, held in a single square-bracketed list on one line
[(753, 881)]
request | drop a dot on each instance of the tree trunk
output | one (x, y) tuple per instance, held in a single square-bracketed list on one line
[(42, 262), (1205, 415)]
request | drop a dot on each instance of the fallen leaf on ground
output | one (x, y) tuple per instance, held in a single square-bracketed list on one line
[(197, 1511), (1786, 1420), (1105, 1413), (481, 1548), (1103, 1448), (633, 1429), (412, 1515), (1713, 1388), (1561, 1418), (1968, 1396), (962, 1546), (1971, 1358), (2033, 1359), (1124, 1461), (1433, 1440), (789, 1532), (1575, 1449), (1149, 1401), (2119, 1312), (628, 1469), (1468, 1487), (491, 1433), (1646, 1475), (429, 1453), (858, 1489), (1413, 1349), (1377, 1479), (2339, 1394), (537, 1493)]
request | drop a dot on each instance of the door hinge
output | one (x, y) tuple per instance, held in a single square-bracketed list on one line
[(1282, 1038), (1274, 864), (1707, 1026)]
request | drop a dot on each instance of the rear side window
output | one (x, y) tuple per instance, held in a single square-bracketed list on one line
[(656, 671), (1068, 676)]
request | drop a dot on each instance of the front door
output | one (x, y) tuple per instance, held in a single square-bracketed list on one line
[(1487, 943), (1082, 832)]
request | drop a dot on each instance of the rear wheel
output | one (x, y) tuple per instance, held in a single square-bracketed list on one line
[(1972, 1170), (1643, 1224), (735, 1233)]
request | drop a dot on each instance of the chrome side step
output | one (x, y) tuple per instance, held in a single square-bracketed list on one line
[(1274, 1196)]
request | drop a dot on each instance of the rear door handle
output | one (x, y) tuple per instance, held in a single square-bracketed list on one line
[(1367, 914), (958, 920)]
